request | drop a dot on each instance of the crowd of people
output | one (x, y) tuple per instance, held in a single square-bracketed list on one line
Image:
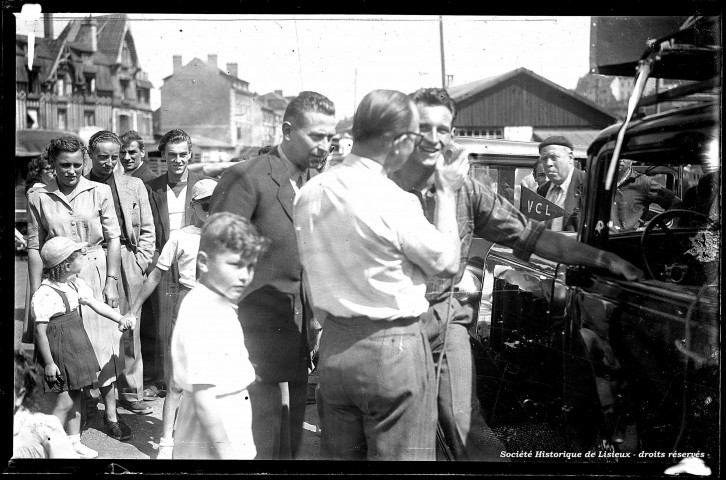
[(224, 295)]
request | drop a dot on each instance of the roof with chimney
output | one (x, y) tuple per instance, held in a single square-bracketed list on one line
[(74, 43), (199, 65), (276, 100)]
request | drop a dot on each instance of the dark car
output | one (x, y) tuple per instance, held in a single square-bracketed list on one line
[(575, 359)]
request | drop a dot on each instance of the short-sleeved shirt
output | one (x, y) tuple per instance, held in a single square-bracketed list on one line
[(86, 215), (182, 247), (47, 303), (207, 344), (365, 245)]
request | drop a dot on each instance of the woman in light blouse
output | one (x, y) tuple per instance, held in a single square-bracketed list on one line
[(83, 211)]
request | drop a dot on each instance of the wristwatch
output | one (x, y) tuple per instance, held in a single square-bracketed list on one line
[(112, 276)]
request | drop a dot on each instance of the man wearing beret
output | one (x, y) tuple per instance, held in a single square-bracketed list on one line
[(566, 182)]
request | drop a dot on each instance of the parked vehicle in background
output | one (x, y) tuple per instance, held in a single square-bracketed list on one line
[(628, 370)]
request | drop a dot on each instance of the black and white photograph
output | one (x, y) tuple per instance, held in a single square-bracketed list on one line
[(325, 242)]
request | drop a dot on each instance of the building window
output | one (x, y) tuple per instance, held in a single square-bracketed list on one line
[(240, 106), (90, 84), (239, 132), (62, 119), (124, 89), (126, 55), (33, 81), (123, 123), (145, 124), (142, 95), (31, 118), (491, 133), (89, 118)]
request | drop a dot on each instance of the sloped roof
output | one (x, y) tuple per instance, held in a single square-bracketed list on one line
[(111, 30), (581, 137), (464, 92), (198, 63)]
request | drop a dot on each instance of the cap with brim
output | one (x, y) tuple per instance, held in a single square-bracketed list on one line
[(58, 249), (555, 140), (203, 188)]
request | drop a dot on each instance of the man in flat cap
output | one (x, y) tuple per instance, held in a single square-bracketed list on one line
[(566, 182)]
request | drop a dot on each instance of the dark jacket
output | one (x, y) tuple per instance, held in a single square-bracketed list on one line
[(273, 312), (144, 173), (573, 201)]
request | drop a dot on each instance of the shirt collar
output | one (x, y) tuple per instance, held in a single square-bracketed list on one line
[(291, 167), (566, 184), (83, 185), (353, 159)]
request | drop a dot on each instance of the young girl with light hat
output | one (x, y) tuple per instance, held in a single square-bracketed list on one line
[(62, 345)]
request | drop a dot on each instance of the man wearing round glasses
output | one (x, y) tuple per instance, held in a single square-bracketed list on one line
[(366, 260)]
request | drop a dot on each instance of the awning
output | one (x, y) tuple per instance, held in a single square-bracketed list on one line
[(32, 142)]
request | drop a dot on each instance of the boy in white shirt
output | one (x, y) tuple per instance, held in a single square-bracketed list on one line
[(209, 357), (182, 248)]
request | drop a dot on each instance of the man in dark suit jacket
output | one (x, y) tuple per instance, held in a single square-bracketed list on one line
[(274, 313), (566, 182), (177, 183), (132, 156)]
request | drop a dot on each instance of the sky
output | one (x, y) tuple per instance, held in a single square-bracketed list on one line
[(345, 56)]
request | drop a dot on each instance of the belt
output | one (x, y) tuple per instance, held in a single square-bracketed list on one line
[(380, 322)]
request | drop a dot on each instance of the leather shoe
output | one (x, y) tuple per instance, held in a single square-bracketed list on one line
[(140, 408), (117, 430), (153, 392)]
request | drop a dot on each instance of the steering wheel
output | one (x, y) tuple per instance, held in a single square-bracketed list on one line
[(680, 267)]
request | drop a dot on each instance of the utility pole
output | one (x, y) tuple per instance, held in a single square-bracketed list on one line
[(443, 63)]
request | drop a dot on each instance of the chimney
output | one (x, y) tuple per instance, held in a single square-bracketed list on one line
[(48, 26), (87, 34), (212, 60), (232, 69), (177, 63), (279, 92)]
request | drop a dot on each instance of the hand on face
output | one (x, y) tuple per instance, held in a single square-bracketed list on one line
[(452, 168)]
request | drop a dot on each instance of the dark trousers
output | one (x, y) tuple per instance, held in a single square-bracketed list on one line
[(278, 411), (466, 433), (377, 390)]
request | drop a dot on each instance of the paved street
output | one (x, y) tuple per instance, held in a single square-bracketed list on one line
[(146, 428)]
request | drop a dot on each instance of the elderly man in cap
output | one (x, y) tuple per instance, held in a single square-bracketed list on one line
[(566, 182)]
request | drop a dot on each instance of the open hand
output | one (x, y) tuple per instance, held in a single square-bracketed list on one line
[(452, 168)]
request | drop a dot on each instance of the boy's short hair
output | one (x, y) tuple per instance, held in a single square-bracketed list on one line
[(225, 230)]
